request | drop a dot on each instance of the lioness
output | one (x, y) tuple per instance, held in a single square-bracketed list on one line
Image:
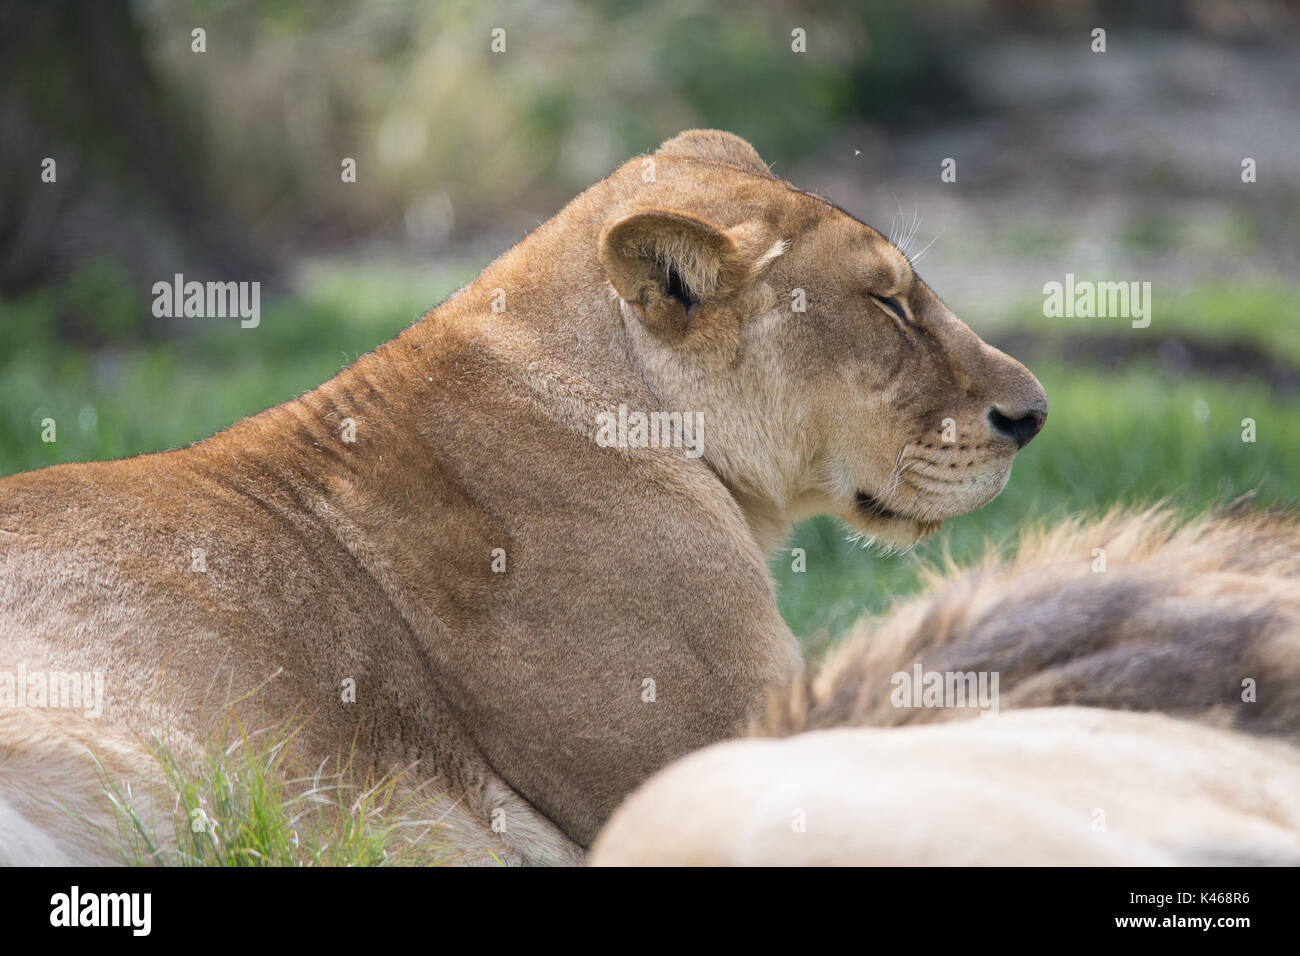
[(535, 618)]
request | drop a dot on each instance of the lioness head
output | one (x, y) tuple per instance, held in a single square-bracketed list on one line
[(831, 379)]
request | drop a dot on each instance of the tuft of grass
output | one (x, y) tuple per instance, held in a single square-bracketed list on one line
[(237, 804)]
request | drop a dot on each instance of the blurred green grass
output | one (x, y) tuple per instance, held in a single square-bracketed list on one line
[(1267, 316), (125, 397), (1133, 436)]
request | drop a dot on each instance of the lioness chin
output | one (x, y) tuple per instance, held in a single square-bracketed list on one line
[(432, 561)]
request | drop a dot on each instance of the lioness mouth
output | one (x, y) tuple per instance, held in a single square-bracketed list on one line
[(871, 506)]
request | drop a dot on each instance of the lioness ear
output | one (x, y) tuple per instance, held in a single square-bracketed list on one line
[(668, 263)]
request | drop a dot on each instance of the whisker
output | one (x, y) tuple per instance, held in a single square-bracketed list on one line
[(916, 227), (902, 218), (895, 475), (909, 469), (907, 233), (917, 257)]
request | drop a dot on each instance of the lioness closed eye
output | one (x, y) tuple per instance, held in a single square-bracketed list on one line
[(534, 619)]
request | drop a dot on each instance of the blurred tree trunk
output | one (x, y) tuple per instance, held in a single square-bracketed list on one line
[(76, 86)]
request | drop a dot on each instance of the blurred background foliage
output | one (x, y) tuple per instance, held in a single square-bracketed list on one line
[(225, 165), (447, 128)]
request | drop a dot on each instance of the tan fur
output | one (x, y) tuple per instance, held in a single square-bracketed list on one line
[(1184, 613), (475, 431), (1059, 786), (1185, 619), (56, 768)]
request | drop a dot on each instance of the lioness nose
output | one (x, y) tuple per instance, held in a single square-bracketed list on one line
[(1020, 425)]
